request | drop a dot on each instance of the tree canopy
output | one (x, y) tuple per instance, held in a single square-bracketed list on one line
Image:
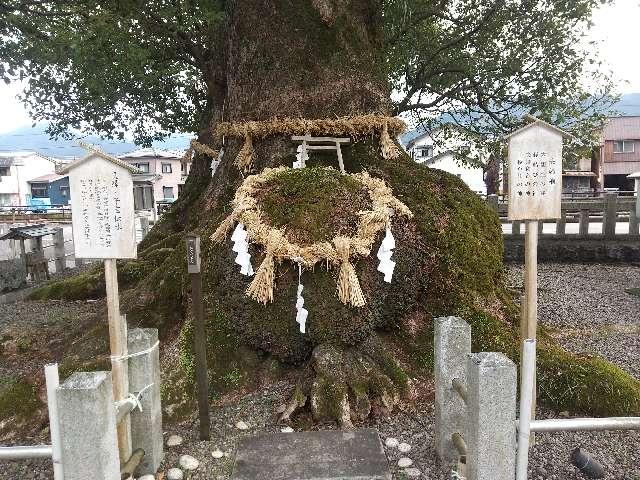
[(155, 67)]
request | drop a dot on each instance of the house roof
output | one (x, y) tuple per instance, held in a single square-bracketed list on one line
[(29, 231), (94, 151), (622, 128), (537, 121), (48, 178), (150, 153)]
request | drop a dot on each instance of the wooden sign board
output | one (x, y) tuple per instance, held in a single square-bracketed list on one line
[(102, 208), (193, 254), (535, 172)]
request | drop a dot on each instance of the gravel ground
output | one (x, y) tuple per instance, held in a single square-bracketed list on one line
[(585, 307)]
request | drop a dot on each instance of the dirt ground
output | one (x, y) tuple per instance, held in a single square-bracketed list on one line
[(585, 307)]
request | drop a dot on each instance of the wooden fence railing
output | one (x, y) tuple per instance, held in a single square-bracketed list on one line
[(610, 209)]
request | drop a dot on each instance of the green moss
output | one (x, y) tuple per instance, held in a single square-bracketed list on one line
[(81, 287), (331, 199), (18, 398), (230, 364), (633, 291)]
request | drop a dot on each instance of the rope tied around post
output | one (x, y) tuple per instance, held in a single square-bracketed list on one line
[(119, 358)]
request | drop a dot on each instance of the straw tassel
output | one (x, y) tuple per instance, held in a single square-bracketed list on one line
[(223, 229), (387, 146), (349, 291), (247, 154), (261, 288)]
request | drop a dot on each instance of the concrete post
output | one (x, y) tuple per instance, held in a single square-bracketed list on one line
[(144, 226), (87, 420), (491, 431), (146, 425), (58, 250), (492, 199), (515, 229), (610, 214), (452, 346)]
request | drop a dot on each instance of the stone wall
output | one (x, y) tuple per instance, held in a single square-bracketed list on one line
[(561, 249), (13, 274)]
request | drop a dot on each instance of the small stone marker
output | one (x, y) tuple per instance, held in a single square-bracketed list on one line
[(323, 455)]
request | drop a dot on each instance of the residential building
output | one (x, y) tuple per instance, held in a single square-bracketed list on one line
[(16, 170), (50, 189), (619, 152), (437, 150), (580, 180), (164, 170)]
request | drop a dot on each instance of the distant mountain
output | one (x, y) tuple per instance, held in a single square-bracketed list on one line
[(627, 106), (36, 139)]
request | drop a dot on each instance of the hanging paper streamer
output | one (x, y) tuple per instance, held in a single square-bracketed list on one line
[(302, 156), (385, 251), (241, 247), (302, 313)]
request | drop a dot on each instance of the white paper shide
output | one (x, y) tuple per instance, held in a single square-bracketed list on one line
[(302, 156), (241, 247), (385, 252), (301, 312)]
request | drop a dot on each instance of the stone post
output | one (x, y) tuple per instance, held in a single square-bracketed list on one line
[(58, 250), (610, 215), (144, 370), (452, 346), (491, 431), (144, 226), (492, 199), (87, 421)]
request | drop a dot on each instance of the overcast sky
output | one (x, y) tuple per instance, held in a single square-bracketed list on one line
[(615, 28)]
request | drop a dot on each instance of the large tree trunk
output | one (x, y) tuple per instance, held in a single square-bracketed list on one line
[(322, 59)]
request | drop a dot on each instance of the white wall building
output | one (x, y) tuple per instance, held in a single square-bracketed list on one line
[(436, 150), (170, 174), (16, 169)]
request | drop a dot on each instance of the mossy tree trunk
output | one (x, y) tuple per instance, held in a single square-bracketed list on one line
[(318, 59)]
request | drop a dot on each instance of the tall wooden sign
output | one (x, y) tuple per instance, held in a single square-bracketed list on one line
[(101, 189), (535, 193), (199, 337)]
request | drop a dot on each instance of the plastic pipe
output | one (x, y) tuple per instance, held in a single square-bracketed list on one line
[(582, 424), (53, 381), (526, 395), (21, 453), (584, 462)]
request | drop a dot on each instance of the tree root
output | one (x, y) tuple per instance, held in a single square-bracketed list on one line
[(347, 385)]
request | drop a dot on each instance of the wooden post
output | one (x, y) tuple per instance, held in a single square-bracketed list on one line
[(118, 346), (530, 304), (199, 333), (339, 153), (515, 227)]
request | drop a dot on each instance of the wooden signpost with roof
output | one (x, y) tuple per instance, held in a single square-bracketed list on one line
[(101, 188), (535, 194)]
